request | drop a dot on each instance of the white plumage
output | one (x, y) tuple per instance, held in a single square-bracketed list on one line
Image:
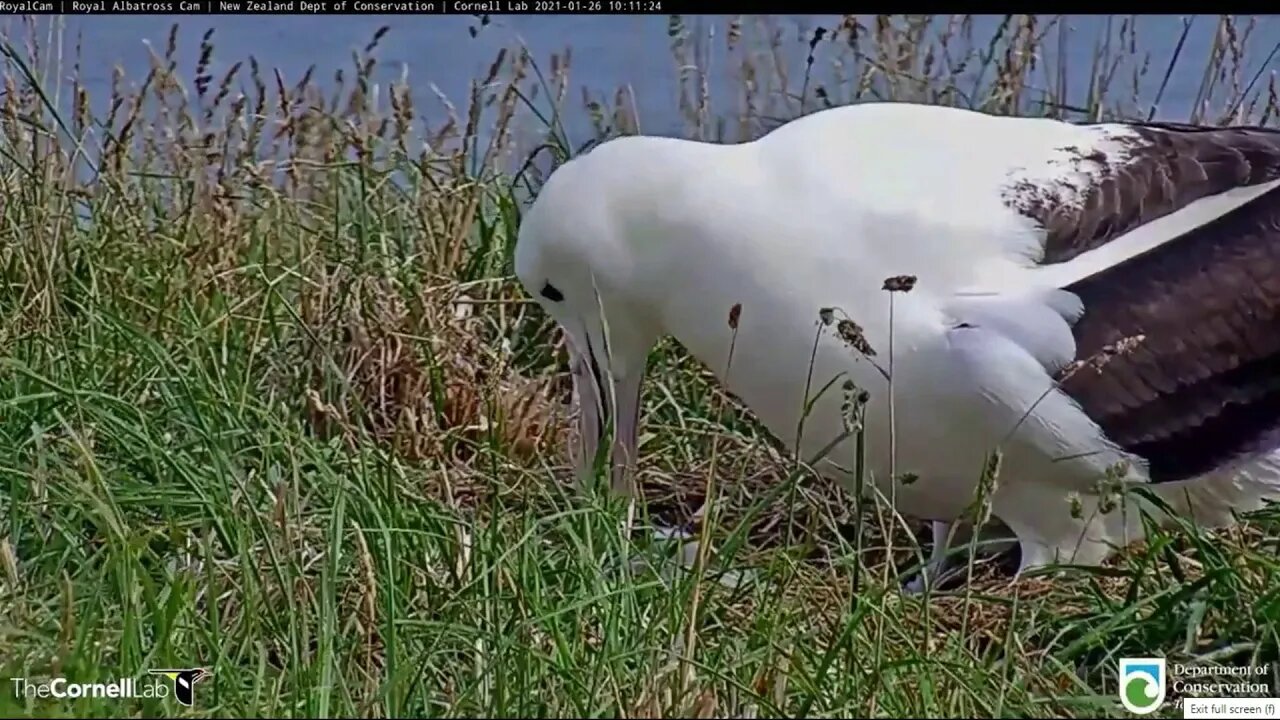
[(1000, 219)]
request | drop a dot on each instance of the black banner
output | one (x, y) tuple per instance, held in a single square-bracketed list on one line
[(334, 7)]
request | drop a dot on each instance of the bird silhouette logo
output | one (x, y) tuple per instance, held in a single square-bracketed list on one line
[(184, 682)]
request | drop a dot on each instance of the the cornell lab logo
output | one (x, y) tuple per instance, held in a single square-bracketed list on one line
[(184, 682)]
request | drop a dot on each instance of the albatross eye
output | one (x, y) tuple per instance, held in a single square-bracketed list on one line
[(551, 293)]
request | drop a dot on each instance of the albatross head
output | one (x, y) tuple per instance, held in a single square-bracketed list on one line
[(575, 257)]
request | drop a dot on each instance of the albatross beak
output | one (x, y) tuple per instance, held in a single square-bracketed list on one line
[(597, 398), (626, 433), (590, 411)]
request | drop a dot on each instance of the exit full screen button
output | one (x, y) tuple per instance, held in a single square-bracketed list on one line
[(1231, 707)]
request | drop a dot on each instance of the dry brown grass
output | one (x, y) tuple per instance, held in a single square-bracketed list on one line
[(253, 186)]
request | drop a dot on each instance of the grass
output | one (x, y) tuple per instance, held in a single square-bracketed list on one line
[(272, 404)]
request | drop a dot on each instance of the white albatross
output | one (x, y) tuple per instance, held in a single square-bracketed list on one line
[(1036, 244)]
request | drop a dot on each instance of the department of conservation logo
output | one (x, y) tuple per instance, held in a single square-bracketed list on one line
[(184, 683), (1142, 684)]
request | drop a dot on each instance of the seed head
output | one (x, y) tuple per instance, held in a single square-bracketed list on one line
[(1106, 354), (853, 408), (1106, 504), (851, 332), (900, 283)]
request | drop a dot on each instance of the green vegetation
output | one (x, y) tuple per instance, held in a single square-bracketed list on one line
[(272, 404)]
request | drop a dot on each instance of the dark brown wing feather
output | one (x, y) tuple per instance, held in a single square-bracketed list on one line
[(1204, 385), (1169, 167)]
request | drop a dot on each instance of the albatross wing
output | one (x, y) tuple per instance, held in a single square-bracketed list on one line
[(1173, 251)]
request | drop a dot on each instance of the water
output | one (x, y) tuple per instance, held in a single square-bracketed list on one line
[(608, 51)]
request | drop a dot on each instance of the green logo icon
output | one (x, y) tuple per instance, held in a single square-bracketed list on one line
[(1142, 684)]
